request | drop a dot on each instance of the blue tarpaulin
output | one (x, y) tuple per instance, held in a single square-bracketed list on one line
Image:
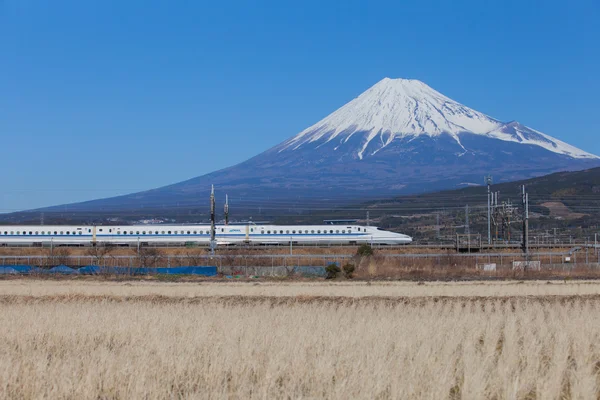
[(8, 270), (205, 271), (62, 269), (94, 269), (90, 270), (22, 269)]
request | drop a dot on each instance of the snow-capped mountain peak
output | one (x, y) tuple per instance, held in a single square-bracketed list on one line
[(400, 108)]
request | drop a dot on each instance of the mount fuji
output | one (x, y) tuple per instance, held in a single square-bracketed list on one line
[(398, 137)]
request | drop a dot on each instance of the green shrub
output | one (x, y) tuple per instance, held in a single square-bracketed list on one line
[(349, 270), (365, 250), (332, 271)]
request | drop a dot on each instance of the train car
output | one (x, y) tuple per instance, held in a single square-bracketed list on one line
[(200, 234)]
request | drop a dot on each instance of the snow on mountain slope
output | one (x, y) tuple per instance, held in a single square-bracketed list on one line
[(516, 132), (398, 108)]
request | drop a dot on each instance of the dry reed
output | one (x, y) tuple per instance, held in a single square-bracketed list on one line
[(61, 344)]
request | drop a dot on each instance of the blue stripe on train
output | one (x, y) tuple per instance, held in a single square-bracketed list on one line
[(191, 235)]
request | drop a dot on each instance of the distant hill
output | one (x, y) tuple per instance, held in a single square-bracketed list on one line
[(579, 191), (567, 201)]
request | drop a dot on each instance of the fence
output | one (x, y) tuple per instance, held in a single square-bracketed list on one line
[(253, 264)]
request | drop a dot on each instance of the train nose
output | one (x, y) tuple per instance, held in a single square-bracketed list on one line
[(402, 238)]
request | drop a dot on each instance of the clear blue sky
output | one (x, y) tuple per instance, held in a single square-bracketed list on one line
[(99, 98)]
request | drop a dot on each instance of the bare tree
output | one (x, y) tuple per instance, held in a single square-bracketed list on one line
[(195, 259), (99, 253), (150, 257), (60, 256)]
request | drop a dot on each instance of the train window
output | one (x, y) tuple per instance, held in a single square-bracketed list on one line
[(100, 230), (36, 232), (188, 232), (68, 233), (144, 232), (124, 232), (318, 231), (312, 231), (118, 233), (110, 230), (162, 232), (137, 232), (79, 233), (287, 231), (169, 232), (89, 230), (252, 230), (344, 231), (268, 232), (222, 230), (337, 231), (331, 231), (194, 232)]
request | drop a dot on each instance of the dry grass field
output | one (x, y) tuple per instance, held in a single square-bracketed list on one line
[(130, 340)]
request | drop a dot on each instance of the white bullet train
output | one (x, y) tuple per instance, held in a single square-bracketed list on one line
[(198, 234)]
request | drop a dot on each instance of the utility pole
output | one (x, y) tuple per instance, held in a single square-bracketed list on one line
[(368, 219), (496, 214), (226, 210), (467, 229), (212, 219), (525, 225), (488, 182)]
